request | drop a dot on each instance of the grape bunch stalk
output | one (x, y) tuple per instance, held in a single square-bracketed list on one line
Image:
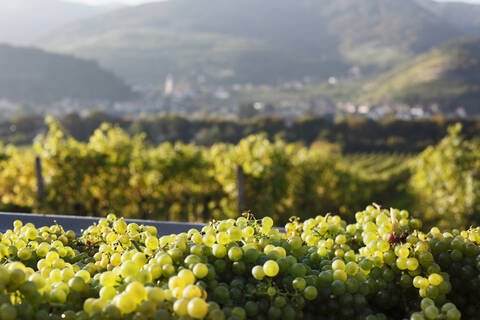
[(382, 266)]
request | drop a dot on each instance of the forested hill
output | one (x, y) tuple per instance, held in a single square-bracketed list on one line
[(29, 74), (251, 40)]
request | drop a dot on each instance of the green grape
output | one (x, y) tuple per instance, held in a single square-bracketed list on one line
[(8, 312), (412, 264), (85, 275), (453, 314), (235, 233), (310, 293), (152, 242), (108, 279), (435, 279), (187, 276), (58, 296), (197, 308), (251, 255), (267, 222), (235, 253), (426, 302), (200, 270), (338, 265), (24, 254), (125, 303), (299, 284), (181, 307), (136, 290), (271, 268), (108, 293), (431, 312), (350, 270), (258, 273), (128, 268)]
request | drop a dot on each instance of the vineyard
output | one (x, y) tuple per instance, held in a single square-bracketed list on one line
[(116, 172)]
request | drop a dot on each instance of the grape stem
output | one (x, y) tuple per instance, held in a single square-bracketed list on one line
[(136, 246)]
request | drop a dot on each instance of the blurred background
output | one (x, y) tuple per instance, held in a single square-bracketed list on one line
[(148, 108)]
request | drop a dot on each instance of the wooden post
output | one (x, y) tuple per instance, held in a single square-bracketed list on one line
[(40, 185), (241, 201)]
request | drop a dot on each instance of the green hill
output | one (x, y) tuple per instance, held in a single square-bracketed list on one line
[(29, 74), (251, 40), (448, 76)]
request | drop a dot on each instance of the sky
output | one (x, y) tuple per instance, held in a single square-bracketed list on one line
[(102, 2), (134, 2)]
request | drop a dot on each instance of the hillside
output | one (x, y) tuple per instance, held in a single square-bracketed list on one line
[(251, 40), (23, 21), (29, 74), (448, 75)]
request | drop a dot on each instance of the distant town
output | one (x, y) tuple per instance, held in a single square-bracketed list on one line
[(200, 100)]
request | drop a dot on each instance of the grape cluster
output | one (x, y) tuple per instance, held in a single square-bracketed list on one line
[(380, 267)]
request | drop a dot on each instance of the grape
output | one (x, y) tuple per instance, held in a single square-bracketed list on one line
[(58, 296), (271, 268), (352, 271), (431, 312), (77, 283), (24, 254), (17, 277), (8, 312), (338, 265), (235, 253), (258, 273), (200, 270), (453, 314), (299, 284), (197, 308), (187, 276), (136, 290), (108, 293), (435, 279), (108, 279), (151, 242), (125, 303), (181, 307), (85, 275), (267, 222), (219, 250), (310, 293)]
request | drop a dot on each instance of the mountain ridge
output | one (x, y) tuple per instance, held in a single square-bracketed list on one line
[(252, 41)]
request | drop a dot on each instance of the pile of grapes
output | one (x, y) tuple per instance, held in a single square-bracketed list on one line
[(381, 267)]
